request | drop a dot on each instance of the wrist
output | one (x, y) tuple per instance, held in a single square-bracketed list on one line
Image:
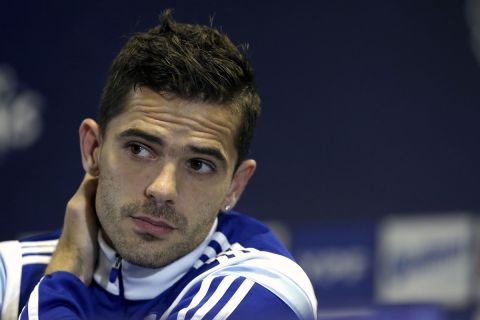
[(68, 261)]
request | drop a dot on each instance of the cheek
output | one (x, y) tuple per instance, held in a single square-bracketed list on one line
[(105, 196), (111, 187), (207, 197), (118, 179)]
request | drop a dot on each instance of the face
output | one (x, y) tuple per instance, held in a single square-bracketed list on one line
[(165, 168)]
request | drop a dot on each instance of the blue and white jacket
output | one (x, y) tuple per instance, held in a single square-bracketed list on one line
[(240, 271)]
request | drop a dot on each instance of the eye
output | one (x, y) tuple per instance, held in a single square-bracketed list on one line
[(140, 151), (201, 166)]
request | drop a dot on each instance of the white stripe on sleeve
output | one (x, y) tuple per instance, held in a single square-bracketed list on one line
[(237, 297), (209, 252), (12, 260), (36, 259), (33, 303), (30, 250), (222, 240), (196, 299), (36, 244), (3, 281), (216, 296)]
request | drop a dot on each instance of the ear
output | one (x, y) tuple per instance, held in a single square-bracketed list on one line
[(89, 145), (239, 182)]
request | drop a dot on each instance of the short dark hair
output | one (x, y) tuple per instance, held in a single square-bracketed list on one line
[(192, 62)]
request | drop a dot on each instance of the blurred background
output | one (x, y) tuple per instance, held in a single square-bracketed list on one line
[(368, 144)]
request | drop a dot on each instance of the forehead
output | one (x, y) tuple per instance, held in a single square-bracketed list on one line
[(159, 113)]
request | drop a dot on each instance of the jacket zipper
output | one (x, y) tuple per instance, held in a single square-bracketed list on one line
[(116, 273)]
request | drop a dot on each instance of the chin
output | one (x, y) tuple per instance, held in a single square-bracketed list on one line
[(146, 259)]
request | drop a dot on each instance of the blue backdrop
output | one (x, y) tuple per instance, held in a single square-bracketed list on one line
[(369, 107)]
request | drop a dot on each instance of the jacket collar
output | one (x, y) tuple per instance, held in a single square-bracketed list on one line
[(141, 283)]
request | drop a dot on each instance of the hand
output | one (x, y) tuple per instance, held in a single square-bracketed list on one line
[(76, 251)]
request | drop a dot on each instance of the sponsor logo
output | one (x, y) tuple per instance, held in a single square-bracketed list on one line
[(404, 265), (20, 113), (335, 266), (420, 256)]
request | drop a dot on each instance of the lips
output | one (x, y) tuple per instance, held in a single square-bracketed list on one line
[(154, 227)]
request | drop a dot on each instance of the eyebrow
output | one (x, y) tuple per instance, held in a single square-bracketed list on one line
[(213, 152), (208, 151), (141, 134)]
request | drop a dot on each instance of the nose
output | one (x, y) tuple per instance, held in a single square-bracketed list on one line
[(163, 188)]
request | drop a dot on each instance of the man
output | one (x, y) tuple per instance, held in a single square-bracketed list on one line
[(150, 233)]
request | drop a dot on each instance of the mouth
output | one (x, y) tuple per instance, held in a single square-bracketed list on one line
[(154, 227)]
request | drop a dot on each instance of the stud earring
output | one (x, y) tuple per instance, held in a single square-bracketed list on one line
[(227, 208)]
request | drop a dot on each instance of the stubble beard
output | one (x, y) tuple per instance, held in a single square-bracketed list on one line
[(143, 249)]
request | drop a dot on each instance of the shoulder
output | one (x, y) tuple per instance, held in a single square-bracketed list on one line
[(229, 296), (32, 250), (249, 232), (24, 262), (35, 250), (246, 271), (243, 283)]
